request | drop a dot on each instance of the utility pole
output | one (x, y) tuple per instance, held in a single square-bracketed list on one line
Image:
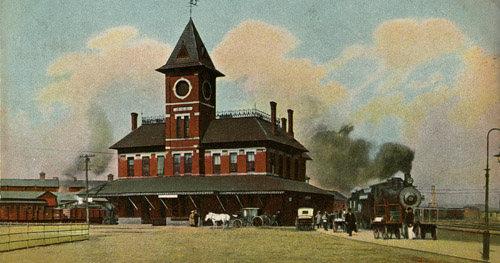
[(87, 160)]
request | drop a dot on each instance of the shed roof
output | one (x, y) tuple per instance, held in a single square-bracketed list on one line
[(53, 183), (23, 195), (30, 182), (248, 184)]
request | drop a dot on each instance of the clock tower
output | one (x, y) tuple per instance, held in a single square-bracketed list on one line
[(190, 89)]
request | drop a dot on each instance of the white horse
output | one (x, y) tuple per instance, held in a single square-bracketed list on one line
[(218, 217)]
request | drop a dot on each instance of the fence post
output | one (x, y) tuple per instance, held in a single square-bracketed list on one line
[(8, 245)]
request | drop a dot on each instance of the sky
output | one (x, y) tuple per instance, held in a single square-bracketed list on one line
[(425, 74)]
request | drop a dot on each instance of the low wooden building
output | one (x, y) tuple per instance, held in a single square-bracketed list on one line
[(161, 199)]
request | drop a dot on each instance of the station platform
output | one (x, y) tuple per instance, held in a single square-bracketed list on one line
[(469, 249)]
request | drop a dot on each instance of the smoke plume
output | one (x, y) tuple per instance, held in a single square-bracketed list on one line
[(392, 158), (100, 138), (343, 163)]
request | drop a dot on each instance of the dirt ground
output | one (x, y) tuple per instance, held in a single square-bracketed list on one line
[(185, 244)]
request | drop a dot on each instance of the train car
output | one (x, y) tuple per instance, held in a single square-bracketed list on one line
[(383, 207)]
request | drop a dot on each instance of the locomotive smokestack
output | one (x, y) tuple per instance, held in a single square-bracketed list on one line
[(273, 117), (290, 122), (134, 120)]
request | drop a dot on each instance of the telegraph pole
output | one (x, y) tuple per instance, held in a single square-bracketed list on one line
[(87, 160)]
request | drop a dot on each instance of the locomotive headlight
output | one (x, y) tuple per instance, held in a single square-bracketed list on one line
[(409, 180)]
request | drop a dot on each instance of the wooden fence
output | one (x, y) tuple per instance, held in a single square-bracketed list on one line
[(19, 236)]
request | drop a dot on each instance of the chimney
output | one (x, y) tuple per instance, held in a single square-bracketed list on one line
[(273, 117), (110, 177), (290, 122), (75, 179), (283, 124), (134, 120), (42, 175)]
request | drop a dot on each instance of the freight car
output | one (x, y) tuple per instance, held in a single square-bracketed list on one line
[(382, 207), (44, 214)]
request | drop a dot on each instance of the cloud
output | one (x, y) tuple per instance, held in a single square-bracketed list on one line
[(348, 54), (405, 43), (114, 76), (115, 57), (433, 80), (478, 87), (257, 54), (412, 113)]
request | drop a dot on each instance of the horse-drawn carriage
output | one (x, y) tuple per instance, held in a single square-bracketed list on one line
[(249, 216), (305, 219), (339, 224)]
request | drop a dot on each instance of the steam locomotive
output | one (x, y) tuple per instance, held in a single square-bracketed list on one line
[(383, 206)]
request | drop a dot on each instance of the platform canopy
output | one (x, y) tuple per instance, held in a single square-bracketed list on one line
[(203, 185)]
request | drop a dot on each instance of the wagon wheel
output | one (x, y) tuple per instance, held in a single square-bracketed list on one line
[(376, 233), (398, 233), (257, 221), (237, 223)]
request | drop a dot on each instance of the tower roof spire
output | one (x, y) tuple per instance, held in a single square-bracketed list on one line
[(189, 52)]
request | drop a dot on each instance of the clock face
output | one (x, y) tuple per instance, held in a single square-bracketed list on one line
[(182, 88), (207, 90)]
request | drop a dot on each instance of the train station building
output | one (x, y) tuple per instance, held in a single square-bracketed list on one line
[(195, 158)]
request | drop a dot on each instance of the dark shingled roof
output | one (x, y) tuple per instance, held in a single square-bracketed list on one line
[(249, 129), (248, 184), (232, 130), (144, 136), (30, 182), (23, 195), (189, 52), (47, 183), (338, 195)]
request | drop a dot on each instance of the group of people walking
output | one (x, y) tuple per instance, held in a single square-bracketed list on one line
[(326, 220)]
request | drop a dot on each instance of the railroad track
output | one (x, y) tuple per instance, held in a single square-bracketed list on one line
[(469, 225)]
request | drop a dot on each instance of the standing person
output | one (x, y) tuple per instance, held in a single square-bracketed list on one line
[(318, 219), (324, 218), (350, 220), (409, 218), (191, 218), (196, 218), (278, 218), (331, 217)]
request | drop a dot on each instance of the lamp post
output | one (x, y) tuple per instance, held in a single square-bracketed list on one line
[(486, 234)]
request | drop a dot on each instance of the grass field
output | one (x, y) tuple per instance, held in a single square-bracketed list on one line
[(184, 244)]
